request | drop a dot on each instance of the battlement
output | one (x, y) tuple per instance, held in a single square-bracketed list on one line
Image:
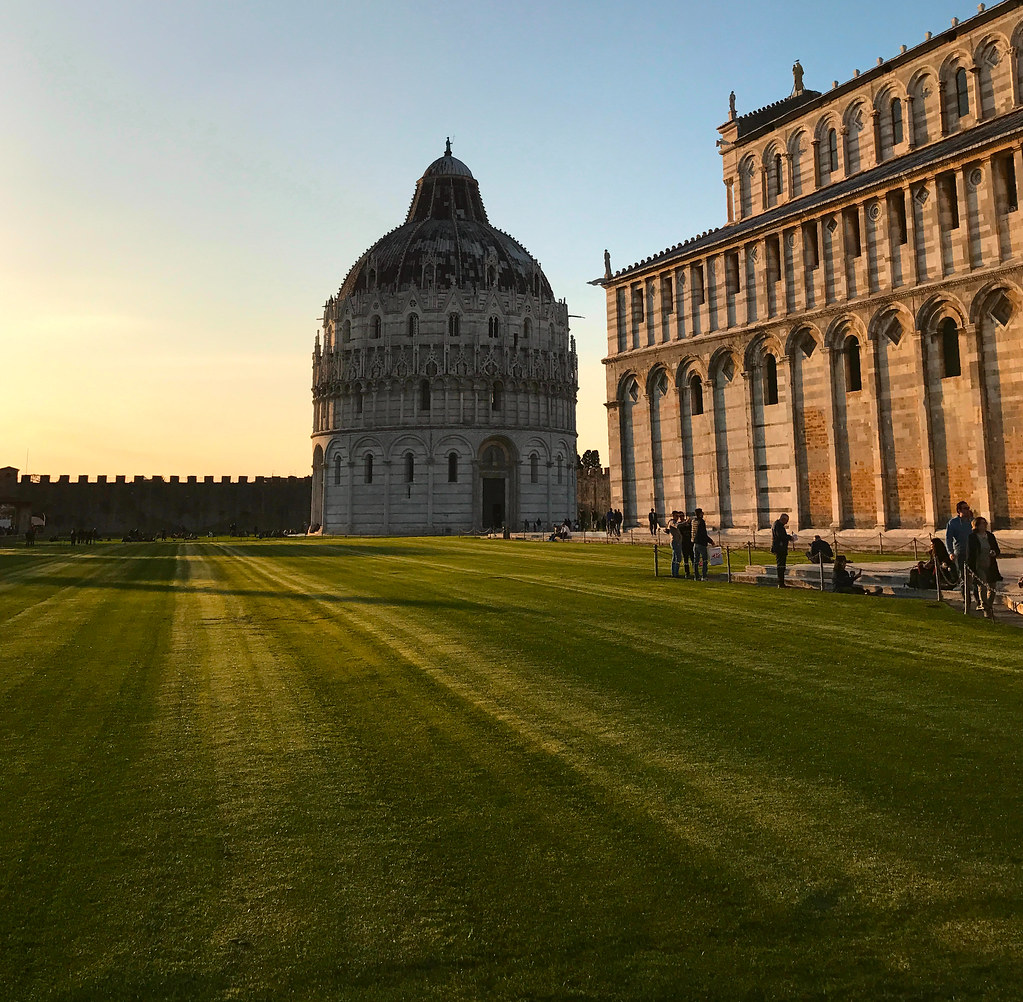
[(119, 503), (84, 478)]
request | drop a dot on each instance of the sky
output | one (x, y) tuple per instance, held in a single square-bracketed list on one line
[(184, 185)]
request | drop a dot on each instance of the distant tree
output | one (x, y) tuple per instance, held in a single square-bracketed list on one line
[(590, 460)]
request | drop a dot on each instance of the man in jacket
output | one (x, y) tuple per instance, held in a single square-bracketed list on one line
[(701, 540), (780, 540)]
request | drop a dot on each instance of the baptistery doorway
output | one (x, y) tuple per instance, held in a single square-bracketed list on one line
[(496, 468)]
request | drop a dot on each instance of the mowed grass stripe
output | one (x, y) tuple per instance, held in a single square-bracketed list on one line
[(783, 817), (449, 753), (72, 729)]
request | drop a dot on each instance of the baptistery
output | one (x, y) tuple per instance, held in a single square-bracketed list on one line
[(444, 379)]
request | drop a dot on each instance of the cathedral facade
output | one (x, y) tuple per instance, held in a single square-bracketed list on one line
[(848, 347), (444, 387)]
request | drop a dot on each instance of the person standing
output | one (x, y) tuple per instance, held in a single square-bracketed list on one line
[(701, 540), (674, 530), (957, 534), (780, 540), (982, 555), (686, 531), (652, 522)]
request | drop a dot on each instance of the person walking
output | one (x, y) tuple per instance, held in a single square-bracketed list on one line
[(957, 534), (982, 555), (701, 540), (780, 540)]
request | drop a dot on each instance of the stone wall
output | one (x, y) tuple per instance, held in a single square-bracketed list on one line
[(191, 504)]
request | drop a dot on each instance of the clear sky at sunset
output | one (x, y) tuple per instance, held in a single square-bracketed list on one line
[(185, 183)]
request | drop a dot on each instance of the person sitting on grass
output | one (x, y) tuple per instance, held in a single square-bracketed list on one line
[(843, 580), (922, 575), (820, 551)]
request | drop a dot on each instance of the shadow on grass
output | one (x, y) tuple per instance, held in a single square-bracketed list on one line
[(186, 589)]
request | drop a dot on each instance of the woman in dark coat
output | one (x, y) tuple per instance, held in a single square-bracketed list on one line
[(982, 558)]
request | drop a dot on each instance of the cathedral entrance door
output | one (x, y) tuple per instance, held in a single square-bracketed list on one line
[(493, 502)]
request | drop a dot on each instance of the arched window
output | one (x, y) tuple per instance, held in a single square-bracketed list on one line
[(377, 326), (897, 134), (951, 364), (413, 324), (337, 471), (495, 397), (410, 468), (346, 331), (534, 468), (454, 324), (493, 327), (695, 395), (452, 467), (832, 151), (424, 395), (527, 329), (779, 175), (357, 394), (368, 468), (770, 380), (559, 467), (853, 380), (962, 93)]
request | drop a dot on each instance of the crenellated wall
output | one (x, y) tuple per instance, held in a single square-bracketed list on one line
[(151, 504)]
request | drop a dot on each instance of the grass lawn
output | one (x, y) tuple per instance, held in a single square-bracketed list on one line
[(457, 769)]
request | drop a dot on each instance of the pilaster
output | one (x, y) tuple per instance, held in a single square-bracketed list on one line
[(926, 450), (974, 371), (836, 497)]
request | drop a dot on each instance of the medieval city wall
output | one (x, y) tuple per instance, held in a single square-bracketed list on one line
[(116, 505)]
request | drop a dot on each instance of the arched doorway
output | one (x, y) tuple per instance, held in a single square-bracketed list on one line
[(495, 477)]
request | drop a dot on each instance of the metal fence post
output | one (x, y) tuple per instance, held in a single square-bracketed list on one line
[(880, 544), (657, 569), (728, 562), (822, 573), (916, 556), (749, 553)]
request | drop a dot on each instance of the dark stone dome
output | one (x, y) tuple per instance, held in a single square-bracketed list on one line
[(447, 241)]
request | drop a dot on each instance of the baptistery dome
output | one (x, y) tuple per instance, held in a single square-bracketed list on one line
[(445, 383), (447, 241)]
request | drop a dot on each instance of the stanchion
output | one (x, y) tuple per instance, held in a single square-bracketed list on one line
[(916, 556), (657, 568), (966, 590), (749, 553), (728, 563), (880, 544), (822, 574)]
